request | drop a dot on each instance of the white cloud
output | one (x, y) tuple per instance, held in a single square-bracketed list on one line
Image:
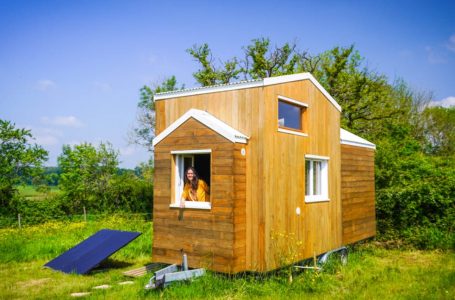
[(45, 85), (46, 136), (102, 86), (451, 43), (446, 102), (46, 140), (433, 57), (68, 121), (128, 151)]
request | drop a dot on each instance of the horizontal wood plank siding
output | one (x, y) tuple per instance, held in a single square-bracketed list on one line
[(243, 110), (208, 237), (357, 193), (239, 208)]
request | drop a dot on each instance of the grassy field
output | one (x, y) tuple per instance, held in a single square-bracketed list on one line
[(30, 192), (372, 272)]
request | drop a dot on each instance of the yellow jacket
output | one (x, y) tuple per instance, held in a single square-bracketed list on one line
[(202, 193)]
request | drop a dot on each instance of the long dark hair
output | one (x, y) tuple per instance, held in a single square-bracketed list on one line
[(195, 180)]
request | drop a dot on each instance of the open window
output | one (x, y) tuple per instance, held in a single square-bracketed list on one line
[(316, 178), (291, 116), (182, 160)]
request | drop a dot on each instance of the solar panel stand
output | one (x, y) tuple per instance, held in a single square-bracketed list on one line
[(164, 277)]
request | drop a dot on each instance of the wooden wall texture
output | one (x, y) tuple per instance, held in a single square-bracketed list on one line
[(213, 239), (319, 224), (273, 185), (357, 193)]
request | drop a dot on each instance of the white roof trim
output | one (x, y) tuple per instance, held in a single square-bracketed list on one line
[(348, 138), (199, 151), (248, 84), (208, 120), (209, 89), (311, 156), (293, 101)]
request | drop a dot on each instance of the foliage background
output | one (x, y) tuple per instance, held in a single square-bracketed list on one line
[(414, 162)]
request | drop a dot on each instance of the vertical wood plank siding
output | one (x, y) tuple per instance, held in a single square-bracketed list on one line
[(266, 186), (288, 236), (357, 193)]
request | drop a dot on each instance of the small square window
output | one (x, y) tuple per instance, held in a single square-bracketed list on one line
[(316, 180), (200, 161), (291, 115)]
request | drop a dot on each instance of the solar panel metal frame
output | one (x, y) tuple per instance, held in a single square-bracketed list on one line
[(89, 253)]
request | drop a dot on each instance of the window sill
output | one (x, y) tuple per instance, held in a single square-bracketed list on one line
[(292, 132), (314, 199), (193, 204)]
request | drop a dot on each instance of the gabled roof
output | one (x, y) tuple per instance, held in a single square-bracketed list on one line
[(247, 84), (208, 120), (348, 138)]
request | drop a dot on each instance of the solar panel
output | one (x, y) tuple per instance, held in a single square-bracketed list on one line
[(89, 253)]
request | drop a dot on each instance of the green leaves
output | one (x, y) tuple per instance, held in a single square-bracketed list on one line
[(86, 172), (144, 132), (439, 129), (261, 60), (209, 74), (18, 158)]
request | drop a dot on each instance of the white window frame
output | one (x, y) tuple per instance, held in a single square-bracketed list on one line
[(324, 179), (179, 174), (302, 105)]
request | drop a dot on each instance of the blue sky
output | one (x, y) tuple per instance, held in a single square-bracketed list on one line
[(71, 70)]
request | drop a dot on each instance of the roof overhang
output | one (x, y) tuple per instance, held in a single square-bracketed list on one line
[(208, 120), (348, 138), (248, 84)]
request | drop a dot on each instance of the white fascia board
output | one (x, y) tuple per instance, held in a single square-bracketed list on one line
[(208, 120), (199, 151), (293, 101), (220, 127), (246, 85), (348, 138), (311, 156), (209, 89)]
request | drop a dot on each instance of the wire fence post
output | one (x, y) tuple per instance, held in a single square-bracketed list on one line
[(85, 215), (19, 220)]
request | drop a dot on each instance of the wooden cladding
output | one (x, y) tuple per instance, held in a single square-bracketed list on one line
[(357, 193), (215, 238), (259, 219)]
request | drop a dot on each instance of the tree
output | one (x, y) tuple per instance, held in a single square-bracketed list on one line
[(262, 60), (144, 133), (414, 190), (439, 129), (86, 172), (209, 74), (18, 158)]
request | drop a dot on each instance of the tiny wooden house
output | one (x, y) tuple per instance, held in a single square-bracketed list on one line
[(286, 182)]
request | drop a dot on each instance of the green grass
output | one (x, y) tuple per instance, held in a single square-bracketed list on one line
[(372, 272), (29, 192)]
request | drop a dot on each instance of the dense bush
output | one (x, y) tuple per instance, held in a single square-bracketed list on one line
[(415, 196), (125, 193), (32, 211)]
